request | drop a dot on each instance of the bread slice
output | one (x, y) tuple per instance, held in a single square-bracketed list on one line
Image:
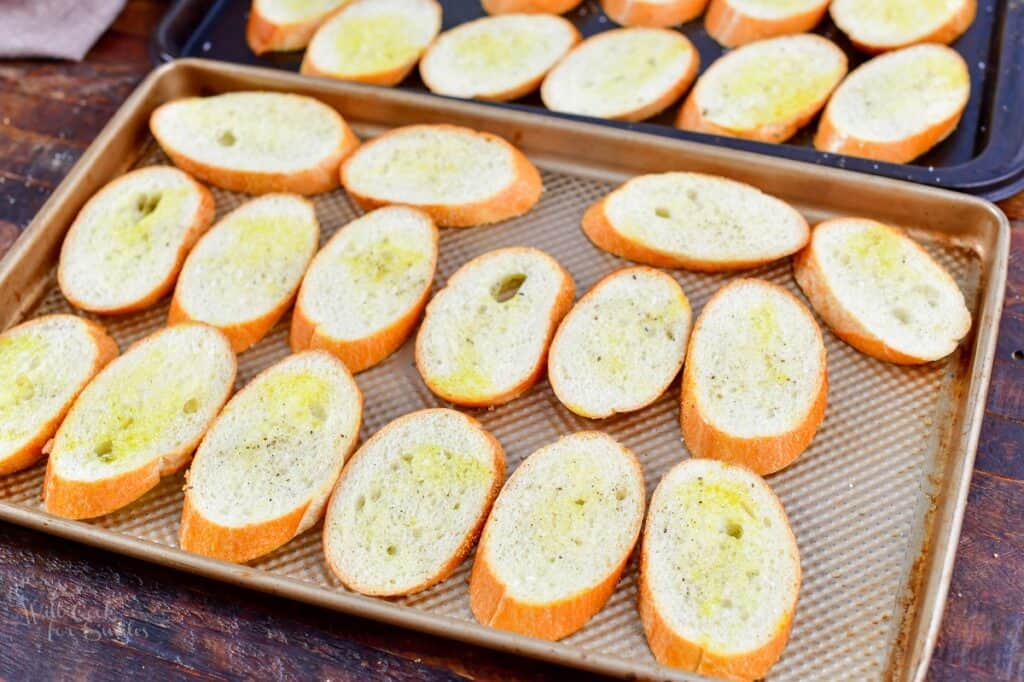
[(264, 471), (621, 345), (458, 176), (283, 25), (766, 90), (558, 537), (719, 572), (138, 420), (882, 293), (243, 274), (879, 25), (755, 380), (738, 22), (626, 74), (125, 248), (485, 335), (870, 114), (497, 58), (695, 221), (45, 363), (366, 288), (411, 502), (373, 41), (255, 142), (652, 13), (529, 6)]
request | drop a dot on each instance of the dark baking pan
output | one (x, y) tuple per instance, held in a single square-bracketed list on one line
[(983, 156)]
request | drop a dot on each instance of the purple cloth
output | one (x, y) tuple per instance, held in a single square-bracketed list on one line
[(64, 29)]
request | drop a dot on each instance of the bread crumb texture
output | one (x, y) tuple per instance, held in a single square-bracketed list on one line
[(774, 9), (892, 22), (295, 11)]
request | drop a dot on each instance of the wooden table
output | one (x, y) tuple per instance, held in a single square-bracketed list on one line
[(69, 610)]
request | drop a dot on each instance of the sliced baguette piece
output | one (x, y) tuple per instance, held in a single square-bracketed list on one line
[(373, 41), (871, 114), (485, 336), (497, 58), (283, 25), (755, 380), (125, 248), (621, 345), (243, 274), (738, 22), (558, 537), (695, 221), (652, 13), (365, 290), (411, 502), (719, 572), (879, 25), (879, 291), (255, 142), (139, 419), (264, 471), (626, 74), (766, 90), (458, 176), (529, 6), (44, 364)]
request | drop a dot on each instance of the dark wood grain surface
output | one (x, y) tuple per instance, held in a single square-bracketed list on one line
[(69, 611)]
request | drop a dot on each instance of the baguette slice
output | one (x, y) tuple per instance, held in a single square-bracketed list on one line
[(139, 419), (485, 335), (738, 22), (529, 6), (44, 365), (558, 537), (870, 113), (652, 13), (373, 41), (458, 176), (695, 221), (243, 274), (719, 572), (766, 90), (879, 25), (626, 74), (255, 142), (366, 288), (621, 345), (283, 25), (125, 248), (497, 58), (264, 471), (879, 291), (411, 502), (755, 380)]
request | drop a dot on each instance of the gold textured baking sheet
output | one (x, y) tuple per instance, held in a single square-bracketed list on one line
[(876, 501)]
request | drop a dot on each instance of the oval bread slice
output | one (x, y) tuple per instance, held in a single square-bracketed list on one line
[(266, 467), (695, 221), (765, 90), (243, 274), (626, 74), (719, 572), (44, 364), (125, 248), (458, 176), (738, 22), (485, 336), (283, 25), (755, 380), (879, 291), (652, 13), (879, 25), (558, 537), (139, 419), (255, 142), (366, 288), (411, 502), (373, 41), (621, 345), (529, 6), (497, 58), (871, 115)]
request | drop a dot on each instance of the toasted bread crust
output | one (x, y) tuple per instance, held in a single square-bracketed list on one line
[(264, 35), (944, 34), (652, 14), (731, 27), (529, 6)]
